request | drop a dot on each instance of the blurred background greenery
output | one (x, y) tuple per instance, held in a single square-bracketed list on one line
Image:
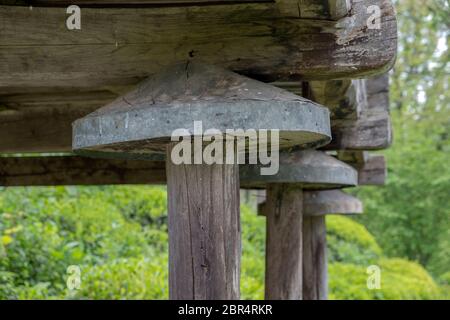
[(118, 235)]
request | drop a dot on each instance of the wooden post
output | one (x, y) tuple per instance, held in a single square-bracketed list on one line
[(204, 230), (284, 242), (315, 282)]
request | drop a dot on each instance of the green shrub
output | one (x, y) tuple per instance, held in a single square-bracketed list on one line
[(400, 280), (118, 237), (134, 278), (350, 242), (253, 254)]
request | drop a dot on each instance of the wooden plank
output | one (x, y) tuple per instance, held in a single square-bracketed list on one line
[(373, 172), (284, 243), (204, 231), (315, 273), (317, 9), (70, 170), (372, 129), (355, 158), (373, 132), (118, 3), (74, 170), (123, 46), (345, 98), (39, 129)]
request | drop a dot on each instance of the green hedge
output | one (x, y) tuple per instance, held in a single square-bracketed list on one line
[(350, 242), (400, 280), (118, 237)]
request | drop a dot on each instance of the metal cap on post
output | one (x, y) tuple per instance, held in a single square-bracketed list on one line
[(286, 254), (204, 227)]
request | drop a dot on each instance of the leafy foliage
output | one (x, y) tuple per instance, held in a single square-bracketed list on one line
[(118, 237), (410, 216)]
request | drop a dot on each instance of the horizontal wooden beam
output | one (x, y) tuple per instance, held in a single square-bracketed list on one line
[(122, 46), (370, 133), (75, 170), (373, 172), (119, 3)]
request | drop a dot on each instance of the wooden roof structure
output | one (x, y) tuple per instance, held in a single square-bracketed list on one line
[(325, 52)]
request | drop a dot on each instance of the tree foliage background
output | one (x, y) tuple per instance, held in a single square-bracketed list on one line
[(410, 217)]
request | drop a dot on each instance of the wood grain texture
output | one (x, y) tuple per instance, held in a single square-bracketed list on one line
[(122, 46), (315, 274), (345, 98), (70, 170), (204, 231), (373, 172), (119, 3), (284, 243), (74, 170), (372, 129)]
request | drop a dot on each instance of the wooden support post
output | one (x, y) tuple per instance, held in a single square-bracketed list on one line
[(284, 242), (315, 282), (204, 231)]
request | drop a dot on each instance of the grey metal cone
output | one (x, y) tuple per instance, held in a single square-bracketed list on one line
[(309, 169), (139, 124)]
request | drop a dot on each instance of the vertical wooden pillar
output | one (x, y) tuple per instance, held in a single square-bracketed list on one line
[(204, 231), (315, 280), (284, 209)]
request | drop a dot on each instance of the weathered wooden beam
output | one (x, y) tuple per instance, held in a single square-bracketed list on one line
[(346, 99), (372, 129), (373, 132), (373, 172), (74, 170), (118, 3), (284, 243), (118, 46), (317, 9)]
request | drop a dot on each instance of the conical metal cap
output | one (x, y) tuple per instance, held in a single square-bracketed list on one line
[(309, 169), (318, 203), (141, 122)]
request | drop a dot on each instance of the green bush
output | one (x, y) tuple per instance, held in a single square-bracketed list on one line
[(400, 280), (134, 278), (118, 237), (350, 242)]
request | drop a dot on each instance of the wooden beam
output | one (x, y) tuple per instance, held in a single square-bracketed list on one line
[(373, 172), (118, 3), (345, 98), (118, 46), (74, 170), (316, 9), (373, 132)]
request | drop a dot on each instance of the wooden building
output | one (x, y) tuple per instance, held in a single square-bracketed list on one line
[(113, 88)]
